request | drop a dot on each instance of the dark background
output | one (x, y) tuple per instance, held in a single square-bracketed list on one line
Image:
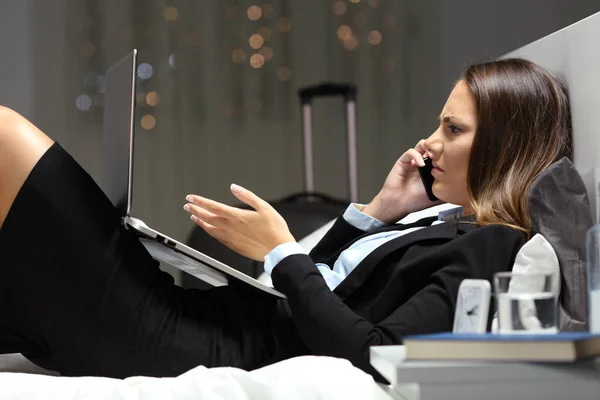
[(222, 115)]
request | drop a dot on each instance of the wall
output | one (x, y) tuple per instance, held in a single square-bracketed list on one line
[(472, 31), (572, 54), (16, 69)]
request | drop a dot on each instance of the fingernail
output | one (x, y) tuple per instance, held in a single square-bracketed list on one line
[(235, 188), (194, 218), (187, 207), (421, 163), (189, 198)]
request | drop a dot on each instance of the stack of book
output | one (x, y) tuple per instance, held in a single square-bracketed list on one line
[(560, 347)]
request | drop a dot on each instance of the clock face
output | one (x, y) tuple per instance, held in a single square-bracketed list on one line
[(469, 310)]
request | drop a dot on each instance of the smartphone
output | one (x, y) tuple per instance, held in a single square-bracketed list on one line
[(427, 178)]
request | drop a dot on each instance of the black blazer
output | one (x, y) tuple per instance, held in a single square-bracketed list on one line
[(407, 286)]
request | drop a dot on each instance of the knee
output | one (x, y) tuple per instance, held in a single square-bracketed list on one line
[(11, 123), (6, 115), (22, 144), (19, 135)]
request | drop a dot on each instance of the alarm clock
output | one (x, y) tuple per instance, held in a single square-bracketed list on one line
[(472, 306)]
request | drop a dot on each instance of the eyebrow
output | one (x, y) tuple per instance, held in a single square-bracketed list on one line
[(449, 118)]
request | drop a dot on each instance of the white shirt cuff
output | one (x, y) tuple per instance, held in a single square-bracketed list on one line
[(360, 220), (279, 253)]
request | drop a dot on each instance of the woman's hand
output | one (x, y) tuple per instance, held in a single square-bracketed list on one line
[(403, 191), (251, 233)]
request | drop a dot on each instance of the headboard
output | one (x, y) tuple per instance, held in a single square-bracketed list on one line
[(573, 54)]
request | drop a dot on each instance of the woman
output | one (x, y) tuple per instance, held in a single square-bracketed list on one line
[(93, 302)]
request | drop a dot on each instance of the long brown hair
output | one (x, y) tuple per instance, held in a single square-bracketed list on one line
[(524, 125)]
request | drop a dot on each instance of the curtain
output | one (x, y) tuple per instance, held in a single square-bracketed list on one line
[(217, 91)]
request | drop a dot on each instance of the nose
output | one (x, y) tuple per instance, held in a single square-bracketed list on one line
[(434, 145)]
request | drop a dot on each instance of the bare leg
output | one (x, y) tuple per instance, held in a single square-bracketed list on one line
[(21, 146), (84, 295)]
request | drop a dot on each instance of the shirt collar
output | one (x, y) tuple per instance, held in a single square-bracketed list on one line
[(455, 214), (451, 214)]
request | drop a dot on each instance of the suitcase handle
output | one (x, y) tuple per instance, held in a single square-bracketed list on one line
[(347, 91)]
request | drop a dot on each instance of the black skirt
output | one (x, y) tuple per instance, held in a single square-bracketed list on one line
[(88, 299)]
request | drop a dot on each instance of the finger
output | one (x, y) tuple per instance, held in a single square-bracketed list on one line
[(212, 230), (220, 209), (420, 147), (249, 198), (412, 154), (207, 216)]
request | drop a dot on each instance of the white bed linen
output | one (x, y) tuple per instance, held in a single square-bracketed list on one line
[(307, 377)]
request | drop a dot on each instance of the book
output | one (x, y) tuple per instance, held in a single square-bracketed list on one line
[(561, 347)]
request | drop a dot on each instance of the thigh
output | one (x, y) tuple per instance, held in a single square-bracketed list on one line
[(88, 296), (21, 146)]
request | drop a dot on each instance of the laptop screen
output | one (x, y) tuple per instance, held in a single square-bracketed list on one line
[(118, 132)]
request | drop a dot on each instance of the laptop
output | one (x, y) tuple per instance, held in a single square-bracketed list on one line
[(117, 183)]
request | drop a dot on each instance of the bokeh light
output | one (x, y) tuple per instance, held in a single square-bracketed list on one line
[(344, 32), (83, 102), (145, 71), (170, 13), (152, 98), (284, 74), (238, 56), (374, 37), (256, 41), (254, 13), (284, 25), (339, 8), (257, 60), (148, 122), (351, 43), (266, 52), (265, 32), (173, 60), (373, 3)]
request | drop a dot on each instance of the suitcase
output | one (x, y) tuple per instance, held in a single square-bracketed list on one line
[(305, 211)]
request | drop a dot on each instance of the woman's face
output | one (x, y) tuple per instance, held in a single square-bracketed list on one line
[(450, 145)]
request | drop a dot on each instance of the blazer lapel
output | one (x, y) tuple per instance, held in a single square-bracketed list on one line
[(447, 230), (422, 222)]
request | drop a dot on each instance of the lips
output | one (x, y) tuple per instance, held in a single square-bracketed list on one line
[(436, 166)]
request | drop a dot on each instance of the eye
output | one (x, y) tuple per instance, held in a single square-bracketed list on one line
[(454, 129)]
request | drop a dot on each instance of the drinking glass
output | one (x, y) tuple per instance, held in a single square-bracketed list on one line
[(593, 268), (526, 302)]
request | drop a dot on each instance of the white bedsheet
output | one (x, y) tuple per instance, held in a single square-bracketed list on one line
[(307, 377)]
